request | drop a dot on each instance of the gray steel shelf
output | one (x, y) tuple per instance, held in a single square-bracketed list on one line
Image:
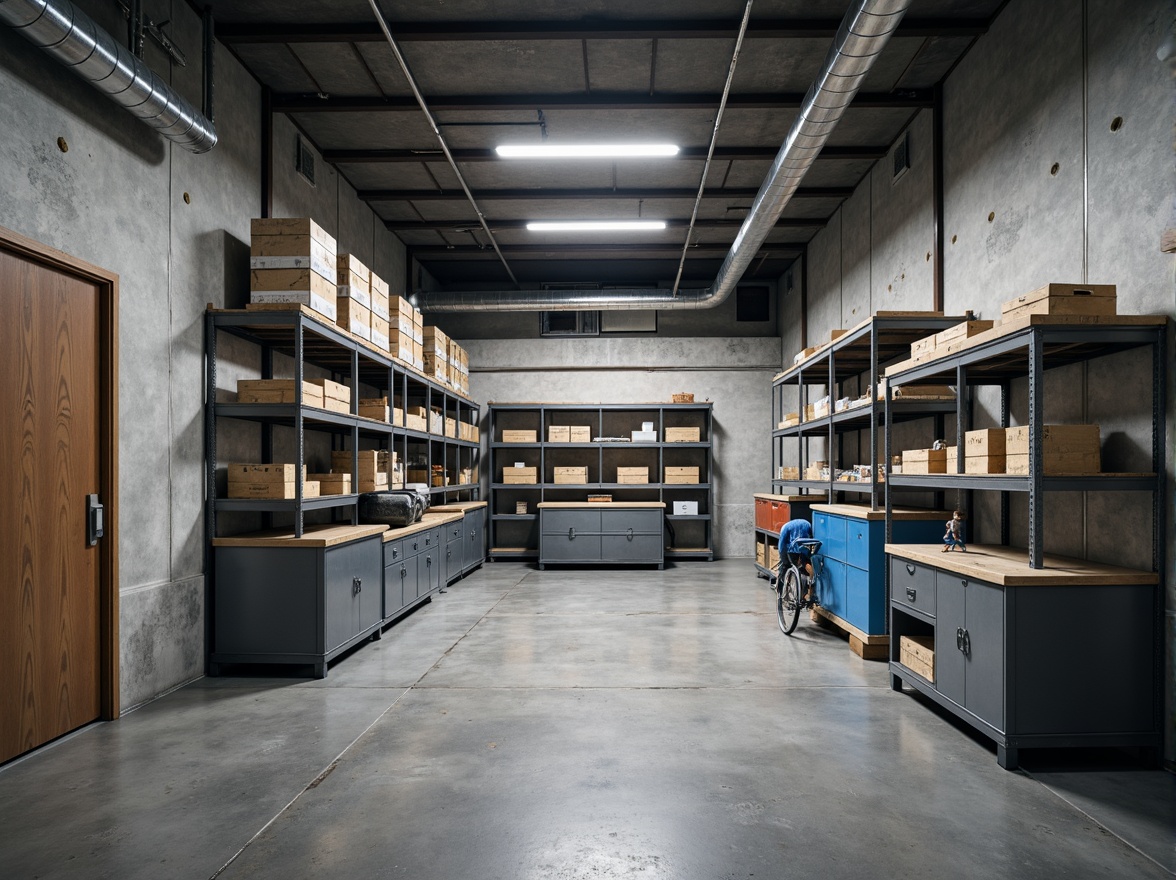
[(284, 505)]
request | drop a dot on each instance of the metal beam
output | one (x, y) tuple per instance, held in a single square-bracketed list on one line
[(537, 251), (511, 195), (676, 223), (313, 103), (483, 31), (698, 154)]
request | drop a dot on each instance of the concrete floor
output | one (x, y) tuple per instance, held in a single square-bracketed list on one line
[(571, 724)]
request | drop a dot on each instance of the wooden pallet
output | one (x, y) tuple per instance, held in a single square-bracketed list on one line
[(865, 646)]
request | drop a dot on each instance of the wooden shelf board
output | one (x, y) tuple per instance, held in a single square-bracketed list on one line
[(1009, 566), (860, 511), (312, 536)]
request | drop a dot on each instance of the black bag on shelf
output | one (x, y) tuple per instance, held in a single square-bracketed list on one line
[(395, 507)]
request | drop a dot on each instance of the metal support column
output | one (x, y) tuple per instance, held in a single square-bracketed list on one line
[(833, 457), (209, 479), (1036, 456), (1005, 390), (873, 421), (300, 437)]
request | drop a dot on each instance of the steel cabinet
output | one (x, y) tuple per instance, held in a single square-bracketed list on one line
[(605, 534)]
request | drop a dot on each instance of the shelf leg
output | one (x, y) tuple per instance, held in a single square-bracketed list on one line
[(1008, 757), (1036, 450), (895, 683)]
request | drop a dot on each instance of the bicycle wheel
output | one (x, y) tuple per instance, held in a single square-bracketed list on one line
[(788, 601)]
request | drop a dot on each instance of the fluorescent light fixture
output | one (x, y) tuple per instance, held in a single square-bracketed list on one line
[(587, 151), (596, 225)]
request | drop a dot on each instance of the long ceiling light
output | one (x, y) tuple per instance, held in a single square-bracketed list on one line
[(586, 151), (596, 225)]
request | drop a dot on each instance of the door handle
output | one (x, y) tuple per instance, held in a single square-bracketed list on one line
[(910, 569), (95, 520), (630, 535), (403, 572), (356, 585), (571, 534), (959, 638), (429, 560), (395, 552), (967, 644), (414, 546), (910, 594)]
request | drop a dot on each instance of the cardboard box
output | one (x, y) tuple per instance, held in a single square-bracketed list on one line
[(685, 508), (644, 436), (682, 397), (379, 285), (985, 442), (520, 508), (804, 354), (681, 475), (315, 302), (571, 476), (355, 291), (579, 434), (451, 427), (837, 334), (277, 391), (400, 345), (1056, 463), (291, 281), (983, 464), (924, 461), (416, 418), (924, 346), (273, 491), (292, 226), (520, 475), (559, 434), (919, 392), (350, 269), (963, 330), (370, 462), (436, 342), (376, 483), (434, 368), (354, 318), (773, 556), (761, 554), (374, 408), (789, 473), (632, 475), (291, 252), (437, 422), (380, 304), (683, 435), (418, 355), (790, 419), (1062, 299), (278, 472), (917, 653), (400, 316), (333, 484), (336, 397), (418, 475), (520, 436), (953, 460), (1055, 439), (379, 332)]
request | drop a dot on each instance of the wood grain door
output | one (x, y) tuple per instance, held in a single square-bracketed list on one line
[(52, 446)]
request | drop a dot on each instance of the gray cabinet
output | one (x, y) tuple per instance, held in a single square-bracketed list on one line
[(1047, 660), (605, 534), (295, 605), (455, 547), (474, 551)]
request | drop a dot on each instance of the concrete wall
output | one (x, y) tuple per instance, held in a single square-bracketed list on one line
[(116, 199), (734, 372), (1015, 108)]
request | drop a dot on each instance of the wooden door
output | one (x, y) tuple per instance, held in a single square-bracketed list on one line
[(55, 651)]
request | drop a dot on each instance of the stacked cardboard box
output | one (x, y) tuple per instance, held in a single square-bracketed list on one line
[(400, 328), (336, 397), (1063, 299), (332, 484), (683, 435), (416, 418), (681, 475), (270, 481), (1068, 449), (374, 408), (955, 333), (924, 461), (436, 353), (278, 391), (632, 475), (418, 339), (373, 465), (381, 317), (984, 451), (292, 260), (355, 297)]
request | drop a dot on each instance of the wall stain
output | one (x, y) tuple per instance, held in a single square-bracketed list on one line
[(1006, 232), (53, 178)]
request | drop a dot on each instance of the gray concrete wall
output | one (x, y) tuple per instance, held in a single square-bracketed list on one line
[(735, 373), (116, 199), (1013, 109)]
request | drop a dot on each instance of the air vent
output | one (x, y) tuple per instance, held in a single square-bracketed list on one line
[(570, 324), (902, 156), (304, 162)]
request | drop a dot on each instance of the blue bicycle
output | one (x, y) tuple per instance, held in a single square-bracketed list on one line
[(794, 585)]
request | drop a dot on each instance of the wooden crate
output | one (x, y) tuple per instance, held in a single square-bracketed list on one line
[(273, 491), (985, 442), (356, 319), (682, 397), (1054, 439), (559, 434), (680, 475), (633, 475), (520, 475), (963, 330), (277, 391), (332, 484), (1062, 299), (924, 461), (571, 476), (761, 553), (336, 397), (295, 226), (600, 499), (917, 653), (579, 434), (1056, 463), (984, 464), (520, 436), (278, 472), (953, 466), (789, 473), (923, 346), (683, 435), (374, 408), (919, 392), (370, 462)]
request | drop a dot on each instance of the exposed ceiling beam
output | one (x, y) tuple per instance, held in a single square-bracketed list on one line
[(675, 223), (694, 153), (482, 31), (537, 251), (502, 195), (304, 103)]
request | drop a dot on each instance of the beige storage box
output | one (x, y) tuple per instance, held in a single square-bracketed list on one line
[(681, 475), (924, 461), (917, 653), (571, 476), (632, 475), (683, 435), (277, 391), (520, 475), (1062, 299), (516, 436)]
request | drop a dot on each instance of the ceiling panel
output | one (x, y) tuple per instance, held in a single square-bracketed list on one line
[(275, 66), (401, 175), (619, 65), (368, 131), (336, 67), (933, 62), (497, 67)]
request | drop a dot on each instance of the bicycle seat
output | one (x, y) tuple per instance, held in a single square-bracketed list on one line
[(809, 544)]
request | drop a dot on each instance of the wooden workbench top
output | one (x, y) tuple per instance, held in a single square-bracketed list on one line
[(861, 511), (312, 536), (457, 506), (430, 520), (804, 499), (1009, 566), (593, 505)]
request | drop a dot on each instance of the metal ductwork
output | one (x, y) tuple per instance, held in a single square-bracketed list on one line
[(69, 35), (863, 34)]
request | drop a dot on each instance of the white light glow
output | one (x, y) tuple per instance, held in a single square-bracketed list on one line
[(596, 225), (587, 151)]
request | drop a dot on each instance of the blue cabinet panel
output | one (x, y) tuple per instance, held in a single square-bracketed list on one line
[(831, 587), (829, 529), (864, 540), (865, 607)]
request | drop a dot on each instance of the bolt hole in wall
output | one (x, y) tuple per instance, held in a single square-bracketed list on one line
[(991, 216), (187, 199), (1116, 123), (63, 145), (1054, 169), (953, 239)]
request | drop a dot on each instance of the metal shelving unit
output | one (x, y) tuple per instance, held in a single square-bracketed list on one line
[(310, 341), (509, 530)]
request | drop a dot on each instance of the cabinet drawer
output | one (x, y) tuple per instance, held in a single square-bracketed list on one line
[(863, 543), (393, 552), (618, 522), (831, 587), (414, 544), (830, 531), (913, 585), (561, 548), (864, 600), (560, 522), (639, 548)]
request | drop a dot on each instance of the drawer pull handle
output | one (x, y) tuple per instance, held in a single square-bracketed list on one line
[(959, 638), (395, 552), (356, 585), (630, 535), (571, 534), (963, 582), (429, 560), (910, 569), (910, 594), (967, 643), (403, 572)]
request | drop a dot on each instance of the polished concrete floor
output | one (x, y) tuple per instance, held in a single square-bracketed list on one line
[(568, 725)]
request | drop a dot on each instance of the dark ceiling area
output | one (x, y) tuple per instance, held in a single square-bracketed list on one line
[(499, 72)]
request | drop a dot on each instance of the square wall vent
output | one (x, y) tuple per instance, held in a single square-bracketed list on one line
[(304, 162), (902, 156)]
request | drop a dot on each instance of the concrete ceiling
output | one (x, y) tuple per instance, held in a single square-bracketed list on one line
[(562, 71)]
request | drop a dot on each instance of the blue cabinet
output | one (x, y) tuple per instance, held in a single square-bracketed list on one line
[(852, 585)]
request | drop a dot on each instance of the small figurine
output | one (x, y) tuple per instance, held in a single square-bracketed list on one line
[(954, 535)]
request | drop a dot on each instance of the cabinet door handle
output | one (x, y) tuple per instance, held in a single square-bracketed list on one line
[(403, 571), (630, 535), (429, 561), (963, 582), (967, 644), (910, 594), (415, 546), (395, 552), (571, 534), (910, 569), (959, 638), (356, 585)]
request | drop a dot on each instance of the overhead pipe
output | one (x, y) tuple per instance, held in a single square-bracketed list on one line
[(70, 36), (863, 34)]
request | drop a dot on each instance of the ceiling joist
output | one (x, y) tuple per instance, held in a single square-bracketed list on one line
[(543, 251)]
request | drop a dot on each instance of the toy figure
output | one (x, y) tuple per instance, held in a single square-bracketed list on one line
[(954, 536)]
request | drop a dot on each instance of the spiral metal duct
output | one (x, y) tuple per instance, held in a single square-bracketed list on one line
[(863, 34), (73, 38)]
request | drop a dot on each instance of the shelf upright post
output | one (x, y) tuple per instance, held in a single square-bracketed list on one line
[(300, 440), (801, 445), (833, 457), (1159, 523), (1005, 392), (886, 430), (873, 416), (1036, 449), (354, 434), (963, 425), (209, 480)]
